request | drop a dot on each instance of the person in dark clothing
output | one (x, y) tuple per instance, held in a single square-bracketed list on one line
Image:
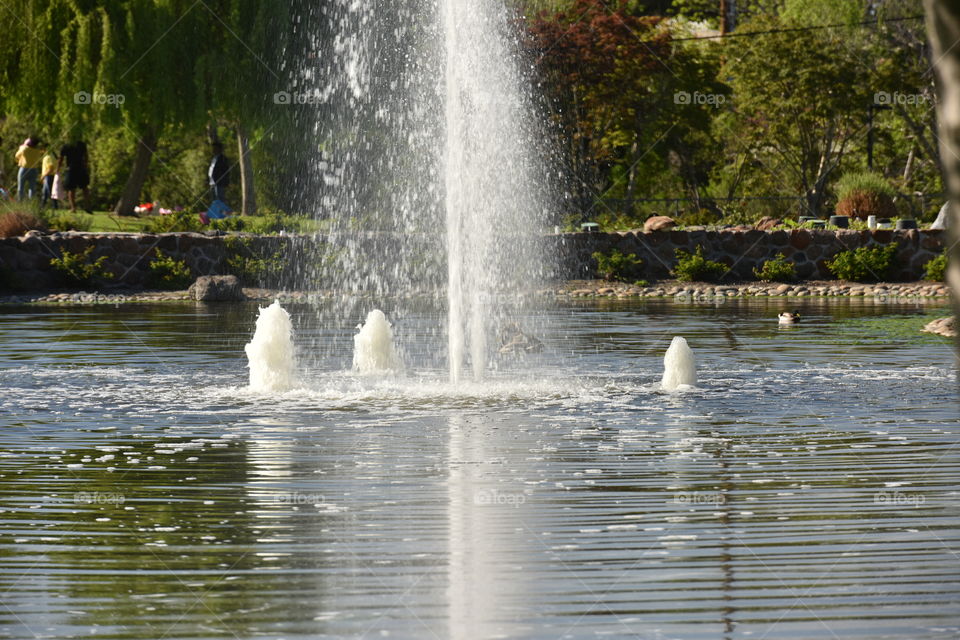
[(77, 174), (219, 173)]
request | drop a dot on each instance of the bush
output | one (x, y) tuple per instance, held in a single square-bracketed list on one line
[(76, 269), (617, 266), (65, 221), (936, 269), (863, 194), (253, 267), (863, 181), (700, 218), (17, 223), (272, 223), (864, 264), (777, 270), (178, 221), (695, 268), (164, 272), (233, 223)]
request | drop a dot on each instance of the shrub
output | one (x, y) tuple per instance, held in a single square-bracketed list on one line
[(700, 218), (777, 270), (76, 269), (864, 264), (233, 223), (936, 269), (865, 181), (177, 221), (863, 194), (65, 221), (17, 223), (693, 267), (616, 265), (272, 223), (251, 266), (164, 272)]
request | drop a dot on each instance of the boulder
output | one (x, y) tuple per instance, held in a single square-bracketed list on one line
[(658, 223), (216, 289), (946, 327)]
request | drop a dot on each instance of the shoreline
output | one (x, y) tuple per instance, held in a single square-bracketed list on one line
[(920, 292)]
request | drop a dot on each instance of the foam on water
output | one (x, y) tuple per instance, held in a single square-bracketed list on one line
[(374, 351), (679, 366), (270, 353)]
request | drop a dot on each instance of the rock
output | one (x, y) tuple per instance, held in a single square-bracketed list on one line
[(768, 223), (658, 223), (216, 289), (946, 327)]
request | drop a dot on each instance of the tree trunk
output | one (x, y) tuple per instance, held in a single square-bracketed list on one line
[(130, 195), (249, 207), (943, 27)]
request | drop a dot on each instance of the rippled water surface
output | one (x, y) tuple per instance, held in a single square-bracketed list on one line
[(807, 488)]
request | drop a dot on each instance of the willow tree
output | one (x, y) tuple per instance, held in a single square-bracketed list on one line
[(124, 63), (241, 70)]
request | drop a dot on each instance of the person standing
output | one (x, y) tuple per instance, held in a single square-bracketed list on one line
[(47, 174), (219, 173), (77, 174), (29, 156)]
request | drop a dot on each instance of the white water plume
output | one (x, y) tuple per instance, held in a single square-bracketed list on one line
[(679, 365), (270, 353), (373, 348)]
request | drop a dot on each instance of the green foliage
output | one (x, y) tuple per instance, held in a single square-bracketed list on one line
[(694, 267), (59, 220), (230, 223), (276, 222), (77, 270), (252, 265), (777, 270), (700, 218), (863, 181), (178, 221), (864, 264), (163, 272), (616, 265), (936, 270)]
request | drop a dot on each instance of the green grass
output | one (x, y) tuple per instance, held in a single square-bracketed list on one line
[(106, 222)]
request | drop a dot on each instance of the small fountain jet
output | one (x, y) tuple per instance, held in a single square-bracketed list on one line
[(679, 366)]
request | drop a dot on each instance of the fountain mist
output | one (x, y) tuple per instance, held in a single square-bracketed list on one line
[(430, 181)]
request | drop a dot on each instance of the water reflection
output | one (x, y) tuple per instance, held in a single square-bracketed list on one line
[(806, 488)]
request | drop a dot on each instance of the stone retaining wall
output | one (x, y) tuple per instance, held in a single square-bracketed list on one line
[(743, 250), (28, 258)]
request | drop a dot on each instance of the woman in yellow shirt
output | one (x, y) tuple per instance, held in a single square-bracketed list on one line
[(47, 174), (28, 156)]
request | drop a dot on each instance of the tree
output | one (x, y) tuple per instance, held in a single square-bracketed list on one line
[(604, 69), (797, 125)]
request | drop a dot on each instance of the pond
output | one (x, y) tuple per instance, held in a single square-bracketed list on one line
[(807, 487)]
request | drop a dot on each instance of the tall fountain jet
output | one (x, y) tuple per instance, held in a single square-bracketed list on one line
[(489, 177), (432, 172)]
